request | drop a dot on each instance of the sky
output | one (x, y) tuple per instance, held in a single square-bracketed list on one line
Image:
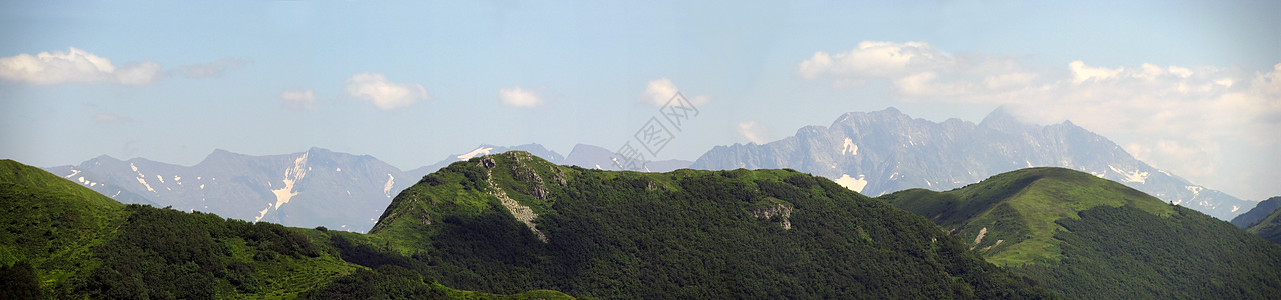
[(1192, 87)]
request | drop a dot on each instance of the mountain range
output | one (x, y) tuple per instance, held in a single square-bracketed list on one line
[(881, 152), (872, 153), (317, 187)]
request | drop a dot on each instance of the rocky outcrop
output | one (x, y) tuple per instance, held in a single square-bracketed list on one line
[(780, 210)]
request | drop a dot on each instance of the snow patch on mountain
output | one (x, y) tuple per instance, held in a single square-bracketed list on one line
[(474, 153), (1196, 190), (849, 147), (854, 184), (263, 213), (291, 175), (144, 183), (387, 187), (1135, 176)]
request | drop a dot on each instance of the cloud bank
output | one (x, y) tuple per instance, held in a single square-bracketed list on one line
[(384, 94), (517, 97), (79, 66), (74, 65), (298, 99), (659, 91)]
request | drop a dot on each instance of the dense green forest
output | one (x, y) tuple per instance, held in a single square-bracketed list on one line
[(685, 234), (1091, 238)]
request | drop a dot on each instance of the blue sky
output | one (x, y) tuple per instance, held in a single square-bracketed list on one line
[(1190, 87)]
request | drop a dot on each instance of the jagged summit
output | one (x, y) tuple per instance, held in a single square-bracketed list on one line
[(1001, 119)]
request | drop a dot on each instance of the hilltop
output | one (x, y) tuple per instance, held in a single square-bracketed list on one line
[(1092, 238), (512, 222)]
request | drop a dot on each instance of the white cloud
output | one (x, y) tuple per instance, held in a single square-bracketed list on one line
[(111, 118), (298, 100), (386, 95), (659, 91), (212, 69), (872, 59), (74, 65), (1081, 72), (515, 96), (753, 131), (1188, 120)]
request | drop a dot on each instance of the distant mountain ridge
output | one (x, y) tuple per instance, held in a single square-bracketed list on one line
[(317, 187), (885, 151)]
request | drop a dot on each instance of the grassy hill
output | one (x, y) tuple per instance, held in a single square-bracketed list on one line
[(62, 240), (1093, 238), (513, 222), (1268, 227)]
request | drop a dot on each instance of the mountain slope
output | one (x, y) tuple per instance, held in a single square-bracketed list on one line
[(51, 223), (886, 151), (1093, 238), (1257, 213), (1268, 227), (66, 241), (513, 222)]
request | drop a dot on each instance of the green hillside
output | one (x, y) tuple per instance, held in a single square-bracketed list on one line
[(1269, 227), (513, 222), (1093, 238), (61, 240)]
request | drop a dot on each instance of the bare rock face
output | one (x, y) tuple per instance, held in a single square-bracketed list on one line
[(783, 212), (881, 152)]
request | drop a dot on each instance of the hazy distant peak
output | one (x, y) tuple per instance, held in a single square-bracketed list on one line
[(855, 117), (1000, 118), (104, 157), (219, 155)]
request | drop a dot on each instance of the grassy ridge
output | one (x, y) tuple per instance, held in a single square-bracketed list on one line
[(1092, 238), (1269, 228), (1020, 209)]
